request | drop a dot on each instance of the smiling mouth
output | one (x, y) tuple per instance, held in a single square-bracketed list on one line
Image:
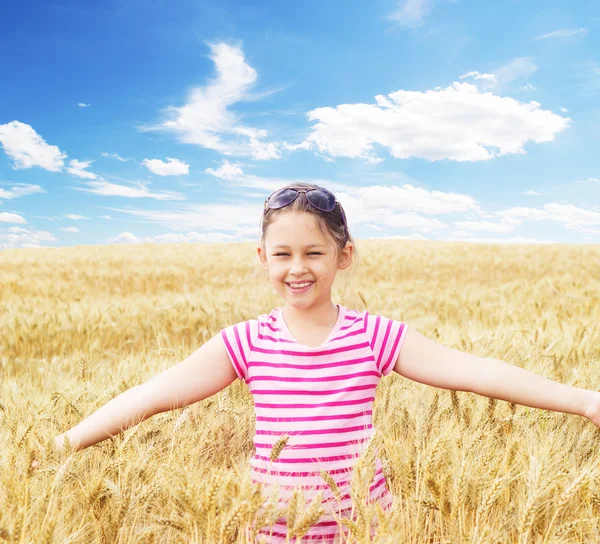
[(300, 289)]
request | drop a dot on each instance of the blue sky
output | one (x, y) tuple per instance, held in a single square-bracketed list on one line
[(131, 121)]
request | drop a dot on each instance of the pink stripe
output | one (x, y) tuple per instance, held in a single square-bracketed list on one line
[(304, 538), (267, 337), (354, 322), (345, 362), (269, 326), (313, 446), (248, 339), (312, 392), (315, 405), (317, 487), (317, 431), (315, 418), (239, 344), (322, 379), (298, 474), (377, 320), (352, 333), (310, 459), (380, 482), (315, 353), (390, 361), (232, 355), (385, 339)]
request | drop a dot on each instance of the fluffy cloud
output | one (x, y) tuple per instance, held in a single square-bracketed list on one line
[(6, 217), (459, 123), (20, 189), (75, 217), (173, 167), (15, 237), (27, 148), (570, 216), (78, 168), (206, 119), (106, 188), (83, 105), (69, 229)]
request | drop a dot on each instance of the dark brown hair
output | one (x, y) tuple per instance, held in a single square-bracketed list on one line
[(330, 223)]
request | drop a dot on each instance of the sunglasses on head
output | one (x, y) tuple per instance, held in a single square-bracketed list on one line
[(319, 198)]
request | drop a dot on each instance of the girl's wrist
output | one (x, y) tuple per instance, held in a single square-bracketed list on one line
[(592, 406)]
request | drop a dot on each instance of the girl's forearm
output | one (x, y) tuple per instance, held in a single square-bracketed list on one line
[(504, 381), (120, 413)]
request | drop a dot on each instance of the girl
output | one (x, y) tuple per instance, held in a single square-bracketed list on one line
[(312, 367)]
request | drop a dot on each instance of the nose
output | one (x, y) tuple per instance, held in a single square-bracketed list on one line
[(298, 267)]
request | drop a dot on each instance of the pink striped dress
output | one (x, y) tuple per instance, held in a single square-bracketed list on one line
[(322, 397)]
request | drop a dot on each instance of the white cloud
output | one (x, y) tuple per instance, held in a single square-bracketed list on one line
[(106, 188), (459, 123), (570, 216), (530, 193), (563, 33), (27, 148), (83, 105), (462, 237), (233, 173), (78, 168), (20, 189), (517, 70), (17, 237), (206, 119), (6, 217), (114, 156), (75, 217), (190, 238), (490, 79), (503, 78), (487, 226), (393, 206), (106, 217), (564, 110), (410, 13), (173, 167), (239, 217), (69, 229), (227, 170)]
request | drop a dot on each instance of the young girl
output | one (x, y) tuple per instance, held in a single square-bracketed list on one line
[(312, 367)]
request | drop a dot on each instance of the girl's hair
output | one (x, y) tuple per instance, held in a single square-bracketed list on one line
[(330, 223)]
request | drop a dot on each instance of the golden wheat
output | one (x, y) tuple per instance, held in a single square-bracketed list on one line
[(79, 325)]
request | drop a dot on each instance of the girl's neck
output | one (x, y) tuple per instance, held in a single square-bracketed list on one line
[(321, 316)]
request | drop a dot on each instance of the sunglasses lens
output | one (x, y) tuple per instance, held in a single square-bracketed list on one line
[(282, 198), (321, 199)]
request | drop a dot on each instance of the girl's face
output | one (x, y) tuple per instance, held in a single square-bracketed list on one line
[(296, 251)]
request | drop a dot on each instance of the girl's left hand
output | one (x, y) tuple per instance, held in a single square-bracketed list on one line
[(592, 412)]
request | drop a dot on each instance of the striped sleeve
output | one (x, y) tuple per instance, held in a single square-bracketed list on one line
[(386, 337), (239, 341)]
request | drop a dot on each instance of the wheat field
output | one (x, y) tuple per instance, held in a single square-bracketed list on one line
[(79, 325)]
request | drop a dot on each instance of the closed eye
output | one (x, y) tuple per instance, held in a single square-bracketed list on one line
[(311, 253)]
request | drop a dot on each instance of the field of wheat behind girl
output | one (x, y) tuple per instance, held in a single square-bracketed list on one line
[(312, 367)]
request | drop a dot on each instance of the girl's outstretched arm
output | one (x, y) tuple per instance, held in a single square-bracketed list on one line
[(425, 361), (204, 373)]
